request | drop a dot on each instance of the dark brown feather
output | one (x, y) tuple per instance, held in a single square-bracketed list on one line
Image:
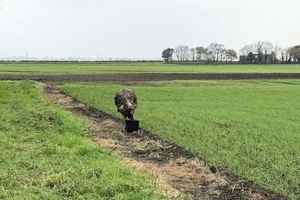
[(126, 103)]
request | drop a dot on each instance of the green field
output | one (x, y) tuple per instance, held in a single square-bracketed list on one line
[(45, 153), (250, 127), (81, 68)]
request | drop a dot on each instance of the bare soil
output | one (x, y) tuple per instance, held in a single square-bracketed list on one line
[(179, 173), (151, 77)]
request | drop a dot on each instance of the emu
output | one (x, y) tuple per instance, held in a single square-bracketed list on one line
[(126, 103)]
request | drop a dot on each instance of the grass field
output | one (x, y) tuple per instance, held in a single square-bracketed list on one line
[(81, 68), (251, 127), (45, 153)]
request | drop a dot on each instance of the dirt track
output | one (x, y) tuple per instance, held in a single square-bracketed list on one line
[(152, 77), (178, 171)]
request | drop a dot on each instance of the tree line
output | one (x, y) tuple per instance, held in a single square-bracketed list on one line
[(260, 52)]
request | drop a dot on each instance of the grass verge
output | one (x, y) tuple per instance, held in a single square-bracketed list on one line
[(45, 154)]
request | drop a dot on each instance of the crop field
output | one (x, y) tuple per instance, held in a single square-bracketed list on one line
[(117, 68), (250, 127), (45, 153)]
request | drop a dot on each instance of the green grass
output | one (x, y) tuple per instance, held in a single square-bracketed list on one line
[(45, 153), (251, 127), (81, 68)]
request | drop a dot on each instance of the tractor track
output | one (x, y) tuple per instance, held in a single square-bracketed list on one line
[(179, 173), (127, 77)]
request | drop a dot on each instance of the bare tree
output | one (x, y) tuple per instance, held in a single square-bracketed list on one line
[(201, 52), (263, 47), (294, 53), (216, 50), (223, 55), (246, 50), (230, 54), (193, 54), (284, 55), (277, 54), (182, 53)]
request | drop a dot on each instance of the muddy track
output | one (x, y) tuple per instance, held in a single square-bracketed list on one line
[(152, 76), (179, 173)]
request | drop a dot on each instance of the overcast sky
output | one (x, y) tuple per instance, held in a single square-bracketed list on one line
[(140, 28)]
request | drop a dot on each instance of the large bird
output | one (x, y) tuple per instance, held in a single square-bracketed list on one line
[(126, 102)]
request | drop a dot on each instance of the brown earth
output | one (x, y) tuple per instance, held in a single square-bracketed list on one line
[(179, 173), (152, 76)]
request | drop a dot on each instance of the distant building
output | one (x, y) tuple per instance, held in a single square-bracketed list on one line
[(257, 58)]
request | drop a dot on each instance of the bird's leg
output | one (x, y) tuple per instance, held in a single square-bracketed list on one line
[(130, 117)]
